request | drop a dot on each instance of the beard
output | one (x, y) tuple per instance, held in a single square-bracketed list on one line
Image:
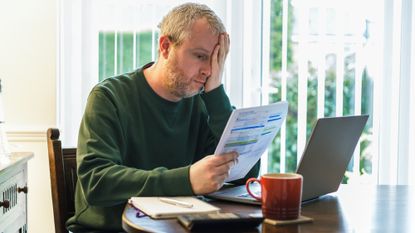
[(176, 82)]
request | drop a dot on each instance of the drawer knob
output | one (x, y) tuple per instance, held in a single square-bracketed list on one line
[(24, 189), (5, 204)]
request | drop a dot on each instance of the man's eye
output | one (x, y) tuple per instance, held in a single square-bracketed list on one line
[(201, 57)]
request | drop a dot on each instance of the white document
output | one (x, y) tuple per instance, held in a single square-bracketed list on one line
[(249, 132)]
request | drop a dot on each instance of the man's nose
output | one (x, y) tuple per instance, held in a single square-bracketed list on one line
[(206, 70)]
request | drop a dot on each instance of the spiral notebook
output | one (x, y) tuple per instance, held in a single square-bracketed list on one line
[(158, 207)]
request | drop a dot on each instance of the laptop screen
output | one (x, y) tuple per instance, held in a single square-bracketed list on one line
[(324, 160)]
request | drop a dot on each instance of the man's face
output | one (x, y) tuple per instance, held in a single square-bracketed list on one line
[(189, 65)]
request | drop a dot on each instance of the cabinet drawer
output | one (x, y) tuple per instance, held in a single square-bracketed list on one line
[(11, 191)]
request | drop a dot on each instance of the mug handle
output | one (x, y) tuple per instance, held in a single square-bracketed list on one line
[(248, 182)]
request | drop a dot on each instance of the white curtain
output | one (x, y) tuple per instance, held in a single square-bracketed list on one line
[(395, 95)]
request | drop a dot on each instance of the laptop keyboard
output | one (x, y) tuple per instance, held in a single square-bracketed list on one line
[(245, 195)]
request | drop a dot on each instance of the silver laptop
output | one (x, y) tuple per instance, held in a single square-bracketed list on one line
[(323, 163)]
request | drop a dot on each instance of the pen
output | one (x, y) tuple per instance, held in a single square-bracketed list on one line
[(176, 202)]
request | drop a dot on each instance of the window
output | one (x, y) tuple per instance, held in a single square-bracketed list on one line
[(121, 52), (326, 58), (317, 63)]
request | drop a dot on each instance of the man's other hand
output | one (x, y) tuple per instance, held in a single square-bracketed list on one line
[(208, 174), (218, 62)]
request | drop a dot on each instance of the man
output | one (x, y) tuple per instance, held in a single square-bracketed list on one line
[(152, 132)]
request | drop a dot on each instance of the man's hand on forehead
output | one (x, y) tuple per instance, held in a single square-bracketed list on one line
[(218, 62)]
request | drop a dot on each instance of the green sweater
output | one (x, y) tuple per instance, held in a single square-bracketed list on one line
[(132, 142)]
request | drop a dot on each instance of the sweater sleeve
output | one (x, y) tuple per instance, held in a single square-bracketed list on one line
[(105, 179), (218, 109)]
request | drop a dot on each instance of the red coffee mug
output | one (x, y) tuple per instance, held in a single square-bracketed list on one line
[(280, 195)]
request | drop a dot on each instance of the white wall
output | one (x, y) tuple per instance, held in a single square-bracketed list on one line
[(28, 68)]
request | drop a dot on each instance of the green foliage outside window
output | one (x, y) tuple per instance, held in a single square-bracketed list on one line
[(330, 94), (123, 51)]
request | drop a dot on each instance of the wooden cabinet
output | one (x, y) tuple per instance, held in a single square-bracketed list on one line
[(13, 193)]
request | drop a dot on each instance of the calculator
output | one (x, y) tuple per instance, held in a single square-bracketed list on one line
[(219, 221)]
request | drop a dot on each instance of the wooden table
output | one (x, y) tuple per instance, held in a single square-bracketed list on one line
[(351, 209)]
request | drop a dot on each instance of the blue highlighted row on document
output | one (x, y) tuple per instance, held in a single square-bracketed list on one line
[(249, 132)]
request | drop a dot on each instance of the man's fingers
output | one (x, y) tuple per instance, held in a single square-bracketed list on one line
[(225, 46), (216, 51), (223, 170), (225, 158), (222, 47)]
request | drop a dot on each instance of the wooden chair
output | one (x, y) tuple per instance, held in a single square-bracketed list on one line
[(63, 177)]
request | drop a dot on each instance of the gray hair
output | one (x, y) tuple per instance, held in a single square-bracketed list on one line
[(178, 22)]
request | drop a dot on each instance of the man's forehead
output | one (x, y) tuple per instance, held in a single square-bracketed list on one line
[(205, 45), (202, 37), (200, 49)]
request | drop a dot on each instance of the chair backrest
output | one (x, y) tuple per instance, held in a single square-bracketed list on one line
[(63, 177)]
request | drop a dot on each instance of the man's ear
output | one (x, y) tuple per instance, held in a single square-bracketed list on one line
[(165, 46)]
